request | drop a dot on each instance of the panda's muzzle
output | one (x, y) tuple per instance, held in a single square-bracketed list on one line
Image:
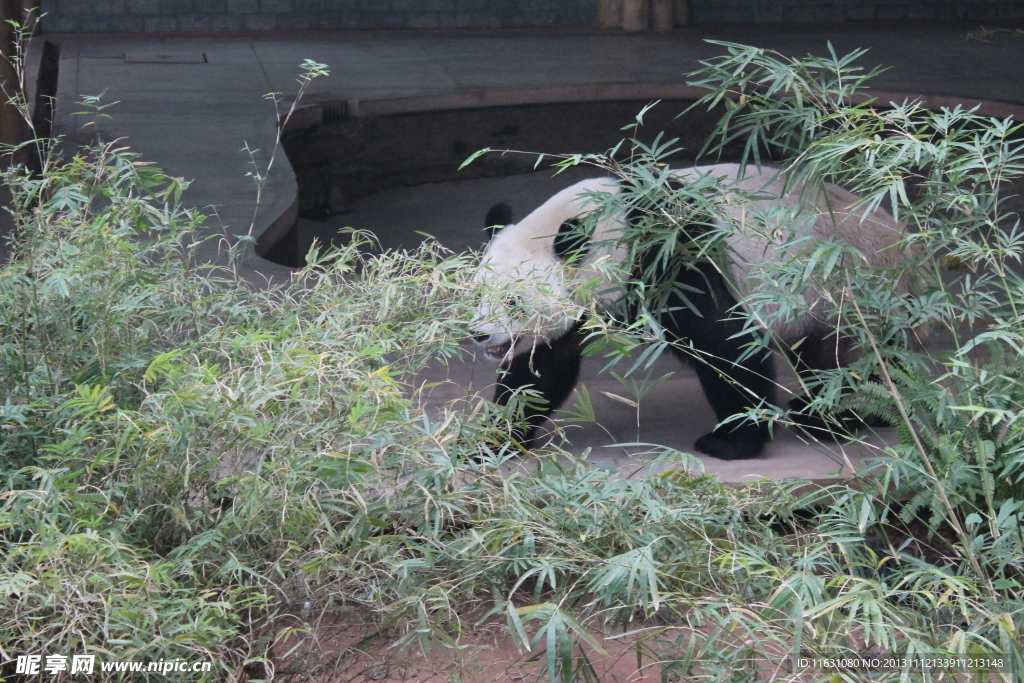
[(498, 351)]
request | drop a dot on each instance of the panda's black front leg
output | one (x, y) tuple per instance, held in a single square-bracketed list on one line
[(552, 370)]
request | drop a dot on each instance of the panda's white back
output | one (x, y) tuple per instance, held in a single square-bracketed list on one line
[(533, 237), (818, 216), (524, 252), (824, 216)]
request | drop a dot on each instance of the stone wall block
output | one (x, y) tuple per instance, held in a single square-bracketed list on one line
[(243, 6), (142, 6), (61, 24), (769, 14), (423, 20), (160, 24), (178, 7), (861, 13), (108, 6), (276, 6), (530, 6), (920, 13), (51, 7), (439, 5), (225, 22), (387, 20), (892, 11), (259, 22), (66, 7), (981, 11), (194, 22)]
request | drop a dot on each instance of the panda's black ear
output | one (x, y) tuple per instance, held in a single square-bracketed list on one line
[(497, 217), (571, 241)]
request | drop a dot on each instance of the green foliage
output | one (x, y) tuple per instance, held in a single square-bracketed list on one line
[(953, 479), (186, 459)]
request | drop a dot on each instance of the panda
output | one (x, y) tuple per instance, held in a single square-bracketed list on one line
[(537, 337)]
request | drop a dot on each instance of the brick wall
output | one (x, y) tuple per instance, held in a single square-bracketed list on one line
[(236, 15)]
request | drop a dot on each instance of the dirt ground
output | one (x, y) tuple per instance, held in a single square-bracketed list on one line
[(344, 650)]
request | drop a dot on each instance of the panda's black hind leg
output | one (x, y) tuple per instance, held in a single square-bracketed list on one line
[(729, 446), (719, 339), (552, 370), (731, 389)]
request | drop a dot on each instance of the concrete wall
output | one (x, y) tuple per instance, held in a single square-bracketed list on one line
[(237, 15)]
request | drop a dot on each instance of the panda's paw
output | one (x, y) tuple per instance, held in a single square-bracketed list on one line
[(727, 447)]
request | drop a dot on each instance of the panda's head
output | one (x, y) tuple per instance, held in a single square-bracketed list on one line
[(530, 270)]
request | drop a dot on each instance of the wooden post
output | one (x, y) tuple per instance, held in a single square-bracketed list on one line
[(662, 15), (635, 15), (609, 14), (682, 12)]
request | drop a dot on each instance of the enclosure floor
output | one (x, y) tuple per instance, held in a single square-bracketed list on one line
[(195, 105)]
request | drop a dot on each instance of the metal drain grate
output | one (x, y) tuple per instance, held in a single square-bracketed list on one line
[(334, 111)]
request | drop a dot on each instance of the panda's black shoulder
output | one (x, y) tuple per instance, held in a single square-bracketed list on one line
[(637, 210)]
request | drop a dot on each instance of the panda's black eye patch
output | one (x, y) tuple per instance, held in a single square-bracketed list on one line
[(516, 307), (572, 241)]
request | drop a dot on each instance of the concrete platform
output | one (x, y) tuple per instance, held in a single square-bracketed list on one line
[(195, 105)]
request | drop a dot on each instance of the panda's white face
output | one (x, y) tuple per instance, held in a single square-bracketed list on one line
[(525, 298), (526, 289)]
